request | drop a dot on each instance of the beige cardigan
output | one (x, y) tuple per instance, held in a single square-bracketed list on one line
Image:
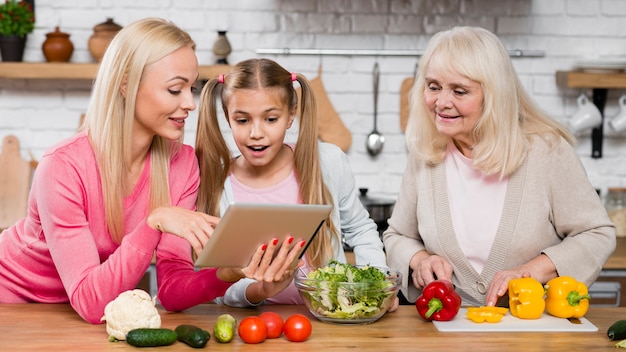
[(550, 207)]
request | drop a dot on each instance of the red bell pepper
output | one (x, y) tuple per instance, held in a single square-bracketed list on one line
[(438, 301)]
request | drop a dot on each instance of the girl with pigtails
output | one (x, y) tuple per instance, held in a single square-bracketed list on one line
[(260, 103)]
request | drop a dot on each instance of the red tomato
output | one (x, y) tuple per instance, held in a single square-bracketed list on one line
[(297, 328), (273, 323), (252, 330)]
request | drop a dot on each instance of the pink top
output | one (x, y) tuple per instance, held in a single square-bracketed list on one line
[(285, 192), (476, 203), (62, 251)]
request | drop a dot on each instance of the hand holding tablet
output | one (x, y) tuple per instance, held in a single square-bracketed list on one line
[(246, 226)]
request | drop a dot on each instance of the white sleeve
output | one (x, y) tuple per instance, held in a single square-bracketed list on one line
[(235, 296)]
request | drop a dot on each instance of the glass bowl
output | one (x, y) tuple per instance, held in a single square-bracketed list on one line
[(347, 302)]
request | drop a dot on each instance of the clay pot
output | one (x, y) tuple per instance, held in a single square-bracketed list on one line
[(101, 37), (57, 47)]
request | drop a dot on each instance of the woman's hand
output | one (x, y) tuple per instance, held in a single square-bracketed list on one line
[(500, 284), (427, 268), (196, 227), (540, 267)]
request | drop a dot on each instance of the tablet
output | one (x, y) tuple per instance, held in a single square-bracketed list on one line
[(246, 226)]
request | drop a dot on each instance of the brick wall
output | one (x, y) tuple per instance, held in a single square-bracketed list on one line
[(42, 112)]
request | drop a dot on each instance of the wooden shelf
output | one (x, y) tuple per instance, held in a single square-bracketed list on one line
[(600, 83), (62, 70), (579, 79)]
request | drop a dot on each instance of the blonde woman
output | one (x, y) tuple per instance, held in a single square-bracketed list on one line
[(493, 189), (104, 200), (260, 104)]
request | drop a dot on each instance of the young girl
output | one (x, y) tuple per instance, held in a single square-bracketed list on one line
[(260, 103)]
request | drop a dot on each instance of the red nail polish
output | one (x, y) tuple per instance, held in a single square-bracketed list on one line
[(275, 241), (302, 243), (263, 247), (290, 240)]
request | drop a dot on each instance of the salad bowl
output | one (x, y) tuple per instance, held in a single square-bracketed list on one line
[(348, 294)]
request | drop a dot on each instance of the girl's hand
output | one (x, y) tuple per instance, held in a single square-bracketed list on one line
[(265, 267), (273, 278), (427, 268), (394, 306), (196, 227)]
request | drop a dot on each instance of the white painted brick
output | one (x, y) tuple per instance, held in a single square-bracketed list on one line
[(42, 112), (582, 7), (550, 7), (316, 23), (351, 6), (250, 21), (366, 24), (514, 25), (479, 8), (613, 7)]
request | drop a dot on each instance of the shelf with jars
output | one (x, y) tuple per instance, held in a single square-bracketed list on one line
[(64, 70)]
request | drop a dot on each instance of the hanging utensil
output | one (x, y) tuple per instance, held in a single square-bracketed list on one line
[(375, 140)]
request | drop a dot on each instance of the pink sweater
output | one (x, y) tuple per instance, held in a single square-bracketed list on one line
[(62, 251)]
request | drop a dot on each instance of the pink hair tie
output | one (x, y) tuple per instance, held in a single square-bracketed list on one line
[(220, 78), (293, 77)]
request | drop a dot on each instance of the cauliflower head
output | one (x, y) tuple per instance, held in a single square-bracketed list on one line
[(132, 309)]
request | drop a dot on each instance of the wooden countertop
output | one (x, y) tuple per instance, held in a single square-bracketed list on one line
[(618, 260), (56, 327)]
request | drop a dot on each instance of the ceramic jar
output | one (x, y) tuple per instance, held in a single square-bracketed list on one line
[(615, 203), (57, 47), (221, 48), (101, 37)]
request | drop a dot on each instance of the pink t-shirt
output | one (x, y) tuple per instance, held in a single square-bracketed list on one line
[(285, 192), (476, 203)]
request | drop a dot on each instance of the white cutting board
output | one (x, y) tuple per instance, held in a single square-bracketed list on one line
[(510, 323)]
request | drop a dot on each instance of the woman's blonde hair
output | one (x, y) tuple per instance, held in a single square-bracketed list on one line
[(509, 119), (110, 115), (215, 157)]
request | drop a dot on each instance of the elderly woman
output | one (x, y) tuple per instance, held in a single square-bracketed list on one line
[(493, 189)]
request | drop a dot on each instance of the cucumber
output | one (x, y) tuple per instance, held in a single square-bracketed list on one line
[(224, 328), (617, 331), (192, 335), (149, 337)]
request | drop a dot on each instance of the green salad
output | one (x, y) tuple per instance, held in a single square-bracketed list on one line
[(362, 297)]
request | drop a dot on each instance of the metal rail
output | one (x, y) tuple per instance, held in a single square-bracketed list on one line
[(373, 52)]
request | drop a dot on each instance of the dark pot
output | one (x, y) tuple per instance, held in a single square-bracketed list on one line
[(12, 48), (379, 208)]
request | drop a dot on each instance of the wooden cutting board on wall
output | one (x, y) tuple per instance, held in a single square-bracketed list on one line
[(405, 91), (15, 175)]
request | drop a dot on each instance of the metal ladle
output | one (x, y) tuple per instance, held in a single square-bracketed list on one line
[(375, 140)]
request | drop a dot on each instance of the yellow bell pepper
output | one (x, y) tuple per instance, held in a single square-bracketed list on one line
[(486, 314), (566, 297), (526, 298)]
